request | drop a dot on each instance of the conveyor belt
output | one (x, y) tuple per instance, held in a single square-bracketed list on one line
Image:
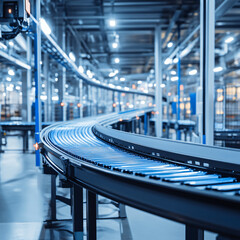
[(195, 191)]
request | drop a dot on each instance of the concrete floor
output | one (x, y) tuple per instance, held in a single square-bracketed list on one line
[(24, 197)]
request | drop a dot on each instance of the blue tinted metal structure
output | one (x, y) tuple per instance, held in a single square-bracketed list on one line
[(198, 179), (179, 83), (37, 69)]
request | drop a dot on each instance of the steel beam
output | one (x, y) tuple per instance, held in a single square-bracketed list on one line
[(207, 62), (158, 78)]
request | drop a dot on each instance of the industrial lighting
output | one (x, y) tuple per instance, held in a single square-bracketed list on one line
[(119, 87), (45, 27), (162, 85), (66, 86), (56, 79), (122, 79), (8, 79), (170, 44), (79, 105), (9, 89), (174, 78), (193, 72), (112, 23), (150, 85), (11, 44), (55, 98), (173, 72), (139, 82), (126, 88), (218, 69), (72, 56), (116, 78), (116, 60), (81, 69), (168, 61), (229, 39), (115, 45), (43, 85), (11, 72), (112, 74), (43, 97), (175, 60), (90, 74)]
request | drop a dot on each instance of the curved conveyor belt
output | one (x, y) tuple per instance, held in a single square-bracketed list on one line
[(188, 183)]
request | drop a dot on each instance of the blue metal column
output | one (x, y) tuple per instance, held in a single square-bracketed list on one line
[(37, 69), (145, 123), (207, 56), (179, 84)]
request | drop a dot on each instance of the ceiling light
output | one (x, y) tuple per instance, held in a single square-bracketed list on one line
[(173, 72), (122, 79), (114, 45), (43, 97), (72, 56), (9, 89), (139, 82), (126, 88), (90, 74), (175, 60), (55, 98), (116, 60), (112, 23), (218, 69), (81, 69), (45, 27), (11, 44), (174, 78), (18, 87), (162, 85), (192, 72), (11, 72), (168, 61), (229, 40), (8, 79), (170, 44)]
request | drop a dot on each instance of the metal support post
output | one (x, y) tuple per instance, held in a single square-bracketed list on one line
[(48, 83), (91, 216), (119, 102), (207, 46), (146, 119), (122, 211), (113, 101), (193, 233), (27, 86), (158, 77), (37, 75), (53, 197), (77, 212), (178, 86), (81, 97)]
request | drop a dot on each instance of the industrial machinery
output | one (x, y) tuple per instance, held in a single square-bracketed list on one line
[(14, 16), (197, 185)]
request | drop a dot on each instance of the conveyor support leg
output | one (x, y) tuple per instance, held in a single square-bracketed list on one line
[(91, 216), (194, 233), (122, 211), (53, 197), (77, 212)]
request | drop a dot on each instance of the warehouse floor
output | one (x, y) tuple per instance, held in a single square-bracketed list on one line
[(24, 198)]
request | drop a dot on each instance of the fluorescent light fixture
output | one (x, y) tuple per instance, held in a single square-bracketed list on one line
[(111, 85), (56, 79), (41, 62), (175, 60), (122, 79), (139, 82), (173, 72), (112, 74), (45, 27), (218, 69), (11, 43), (170, 44), (8, 79), (56, 90), (55, 98), (81, 69), (18, 87), (143, 102), (72, 56), (117, 60), (192, 72), (9, 89), (43, 97), (126, 88), (115, 45), (66, 86), (3, 46), (162, 85), (112, 23), (150, 85), (175, 78), (90, 74), (11, 72), (119, 87), (229, 39), (168, 61), (43, 85)]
